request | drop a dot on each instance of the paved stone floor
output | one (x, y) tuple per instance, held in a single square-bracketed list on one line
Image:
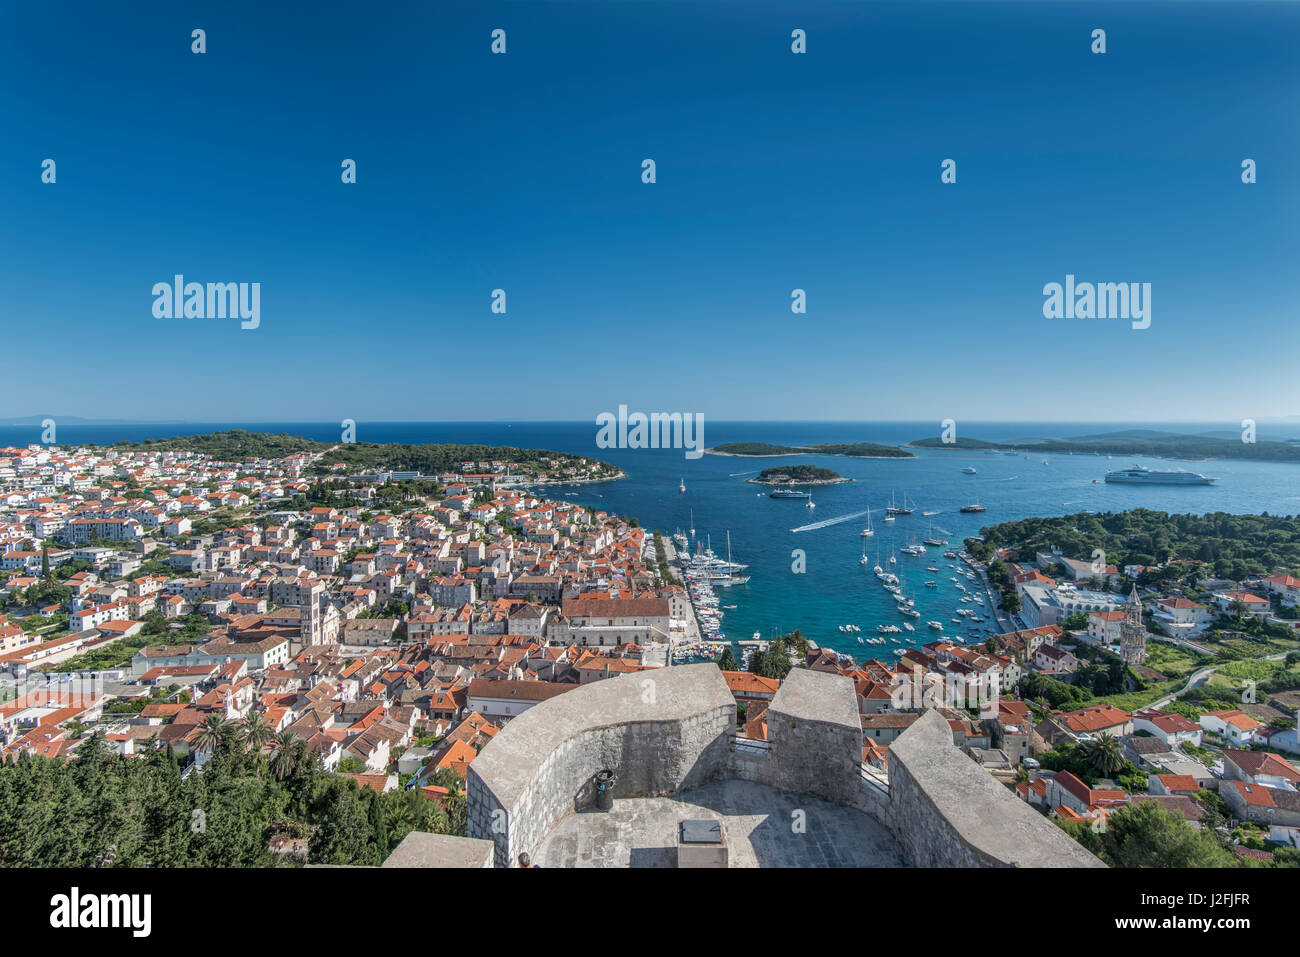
[(758, 822)]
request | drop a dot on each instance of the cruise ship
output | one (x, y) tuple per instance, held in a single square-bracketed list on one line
[(1137, 475)]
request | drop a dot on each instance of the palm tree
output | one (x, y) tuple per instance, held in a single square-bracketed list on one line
[(401, 819), (213, 733), (1105, 755), (283, 755), (256, 732)]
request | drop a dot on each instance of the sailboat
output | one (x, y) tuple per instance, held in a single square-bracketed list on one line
[(809, 503), (933, 540), (682, 487), (692, 523), (863, 559), (733, 578), (868, 531), (893, 509)]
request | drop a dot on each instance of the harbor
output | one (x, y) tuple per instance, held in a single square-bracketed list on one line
[(927, 494), (704, 574)]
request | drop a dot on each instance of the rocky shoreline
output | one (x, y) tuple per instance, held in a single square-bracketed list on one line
[(838, 480), (787, 455)]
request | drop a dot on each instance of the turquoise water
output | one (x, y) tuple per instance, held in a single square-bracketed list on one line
[(835, 589)]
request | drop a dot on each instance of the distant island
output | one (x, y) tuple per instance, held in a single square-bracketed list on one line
[(1172, 445), (539, 466), (798, 475), (857, 450)]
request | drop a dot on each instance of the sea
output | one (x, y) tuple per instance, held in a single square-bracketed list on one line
[(813, 580)]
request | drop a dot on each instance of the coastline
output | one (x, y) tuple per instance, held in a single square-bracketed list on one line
[(541, 483)]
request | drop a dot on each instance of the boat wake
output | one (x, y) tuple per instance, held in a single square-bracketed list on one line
[(735, 474), (829, 521)]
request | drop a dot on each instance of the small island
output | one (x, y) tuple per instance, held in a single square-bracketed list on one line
[(786, 475), (856, 450)]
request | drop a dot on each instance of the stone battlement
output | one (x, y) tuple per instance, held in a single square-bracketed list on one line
[(669, 731)]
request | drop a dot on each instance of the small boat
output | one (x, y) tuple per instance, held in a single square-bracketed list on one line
[(937, 626), (968, 470), (977, 507)]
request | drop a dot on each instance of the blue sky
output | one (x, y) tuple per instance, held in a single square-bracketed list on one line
[(775, 171)]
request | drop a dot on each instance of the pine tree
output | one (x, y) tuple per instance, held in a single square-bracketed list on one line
[(379, 826)]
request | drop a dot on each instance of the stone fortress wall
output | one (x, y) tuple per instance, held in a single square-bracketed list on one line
[(670, 730), (661, 732)]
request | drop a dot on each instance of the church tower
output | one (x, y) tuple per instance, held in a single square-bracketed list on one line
[(1132, 633)]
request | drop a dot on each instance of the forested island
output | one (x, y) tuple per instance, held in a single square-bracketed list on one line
[(1136, 442), (858, 450), (798, 475), (1232, 546), (428, 459)]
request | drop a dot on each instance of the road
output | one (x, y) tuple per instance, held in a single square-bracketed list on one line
[(1005, 623), (1201, 676)]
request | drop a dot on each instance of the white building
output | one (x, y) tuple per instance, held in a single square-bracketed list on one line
[(1237, 726), (1182, 617)]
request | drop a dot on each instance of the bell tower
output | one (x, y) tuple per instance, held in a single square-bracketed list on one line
[(1133, 633)]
